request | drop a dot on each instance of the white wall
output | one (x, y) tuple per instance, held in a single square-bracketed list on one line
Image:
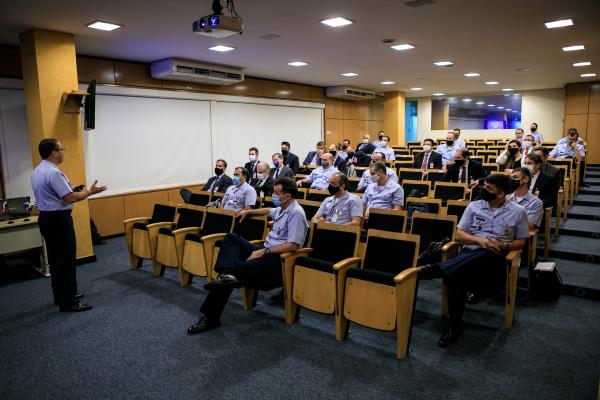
[(546, 107)]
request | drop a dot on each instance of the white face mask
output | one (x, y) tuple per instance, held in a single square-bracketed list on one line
[(365, 140), (526, 144), (529, 167), (427, 147), (252, 157), (261, 177)]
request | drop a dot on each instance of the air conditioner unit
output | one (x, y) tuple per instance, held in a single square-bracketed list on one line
[(190, 71), (349, 93)]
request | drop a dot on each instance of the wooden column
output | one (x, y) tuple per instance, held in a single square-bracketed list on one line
[(393, 117), (49, 69), (440, 115)]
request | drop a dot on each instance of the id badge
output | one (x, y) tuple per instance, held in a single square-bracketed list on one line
[(334, 218)]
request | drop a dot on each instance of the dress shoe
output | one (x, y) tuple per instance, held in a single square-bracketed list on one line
[(77, 307), (473, 297), (429, 271), (203, 325), (222, 281), (277, 297), (449, 337), (76, 297)]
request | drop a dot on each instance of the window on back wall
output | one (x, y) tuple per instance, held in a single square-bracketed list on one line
[(477, 112)]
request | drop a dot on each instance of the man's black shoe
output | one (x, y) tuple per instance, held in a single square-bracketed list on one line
[(277, 297), (473, 298), (429, 271), (223, 280), (77, 307), (449, 337), (203, 325), (76, 297)]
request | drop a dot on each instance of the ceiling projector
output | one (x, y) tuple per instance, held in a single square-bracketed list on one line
[(219, 25)]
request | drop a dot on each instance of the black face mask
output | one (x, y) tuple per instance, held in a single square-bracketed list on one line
[(513, 151), (344, 147), (284, 152), (218, 171), (460, 162), (333, 189), (533, 129), (514, 184), (487, 195), (449, 142), (333, 152)]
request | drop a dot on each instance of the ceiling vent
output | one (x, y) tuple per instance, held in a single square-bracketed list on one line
[(349, 93), (190, 71)]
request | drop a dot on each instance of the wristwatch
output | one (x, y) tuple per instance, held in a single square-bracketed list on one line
[(267, 250)]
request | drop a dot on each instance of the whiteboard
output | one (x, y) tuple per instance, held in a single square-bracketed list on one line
[(239, 126)]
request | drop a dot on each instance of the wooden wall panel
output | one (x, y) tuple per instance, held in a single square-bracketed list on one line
[(90, 68), (594, 107), (10, 67), (179, 85), (577, 98), (317, 93), (376, 108), (375, 127), (134, 74), (578, 121), (276, 89), (334, 109), (142, 204), (593, 139), (299, 92), (250, 87), (108, 214), (356, 110), (354, 129), (334, 130)]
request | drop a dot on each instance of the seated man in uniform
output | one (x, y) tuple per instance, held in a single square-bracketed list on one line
[(365, 179), (489, 229), (382, 192), (240, 262), (319, 177), (520, 179), (386, 149), (239, 196), (342, 207), (448, 150), (569, 147)]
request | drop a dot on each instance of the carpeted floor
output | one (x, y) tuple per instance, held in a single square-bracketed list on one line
[(133, 345)]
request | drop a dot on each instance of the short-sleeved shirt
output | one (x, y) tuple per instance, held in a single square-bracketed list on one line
[(446, 152), (365, 179), (388, 152), (289, 226), (319, 177), (387, 196), (538, 137), (459, 143), (533, 206), (49, 186), (237, 198), (563, 150), (341, 210), (507, 223)]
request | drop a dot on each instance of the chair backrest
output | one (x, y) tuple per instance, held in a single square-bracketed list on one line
[(317, 195), (252, 227), (412, 187), (434, 175), (402, 152), (334, 242), (387, 220), (402, 157), (390, 252), (360, 171), (568, 162), (413, 144), (402, 164), (413, 174), (218, 220), (489, 168), (433, 227), (449, 191), (456, 207), (418, 204), (185, 195), (352, 185), (486, 144), (190, 216), (310, 208), (301, 194), (163, 212), (200, 198), (267, 202), (480, 158)]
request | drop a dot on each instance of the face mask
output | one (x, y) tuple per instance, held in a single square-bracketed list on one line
[(365, 140), (333, 152), (456, 135), (333, 189), (384, 143), (529, 167), (344, 147), (252, 157), (284, 152), (449, 142), (276, 163), (218, 171), (374, 178), (427, 148), (325, 164), (526, 144), (236, 180), (519, 137), (513, 151), (514, 184), (487, 195), (533, 129), (460, 162), (276, 200), (380, 137), (261, 177)]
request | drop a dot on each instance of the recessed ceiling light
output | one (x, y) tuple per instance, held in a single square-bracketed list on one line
[(472, 74), (297, 63), (491, 105), (103, 26), (516, 94), (438, 94), (492, 83), (337, 21), (509, 109), (582, 64), (221, 48), (416, 88), (559, 24), (574, 48), (500, 108), (387, 82), (588, 75), (402, 47), (515, 111), (350, 74), (467, 100), (480, 103), (508, 89), (443, 63), (506, 95), (451, 98)]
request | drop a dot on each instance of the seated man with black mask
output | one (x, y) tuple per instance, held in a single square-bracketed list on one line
[(341, 207)]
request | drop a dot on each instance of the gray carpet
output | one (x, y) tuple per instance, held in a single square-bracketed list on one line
[(133, 346)]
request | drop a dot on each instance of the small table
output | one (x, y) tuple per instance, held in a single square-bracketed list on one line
[(24, 234)]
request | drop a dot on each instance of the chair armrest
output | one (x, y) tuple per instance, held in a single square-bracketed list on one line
[(450, 246), (347, 263), (297, 253), (257, 242), (214, 237), (157, 225), (185, 231), (405, 275), (532, 233), (134, 220), (510, 257)]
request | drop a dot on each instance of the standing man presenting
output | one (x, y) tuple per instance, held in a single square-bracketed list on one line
[(55, 197)]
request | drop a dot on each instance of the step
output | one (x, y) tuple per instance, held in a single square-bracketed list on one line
[(575, 248), (592, 181), (578, 227), (589, 191), (584, 212), (591, 200)]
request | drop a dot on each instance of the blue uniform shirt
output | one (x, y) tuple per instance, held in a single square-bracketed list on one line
[(563, 150), (533, 206), (49, 186), (319, 177), (507, 223), (365, 179), (237, 198), (538, 137), (341, 210), (289, 226), (386, 196), (446, 152), (459, 143), (388, 152)]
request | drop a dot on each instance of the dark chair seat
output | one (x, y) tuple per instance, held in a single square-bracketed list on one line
[(314, 263), (371, 275), (165, 231), (140, 225), (194, 237)]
